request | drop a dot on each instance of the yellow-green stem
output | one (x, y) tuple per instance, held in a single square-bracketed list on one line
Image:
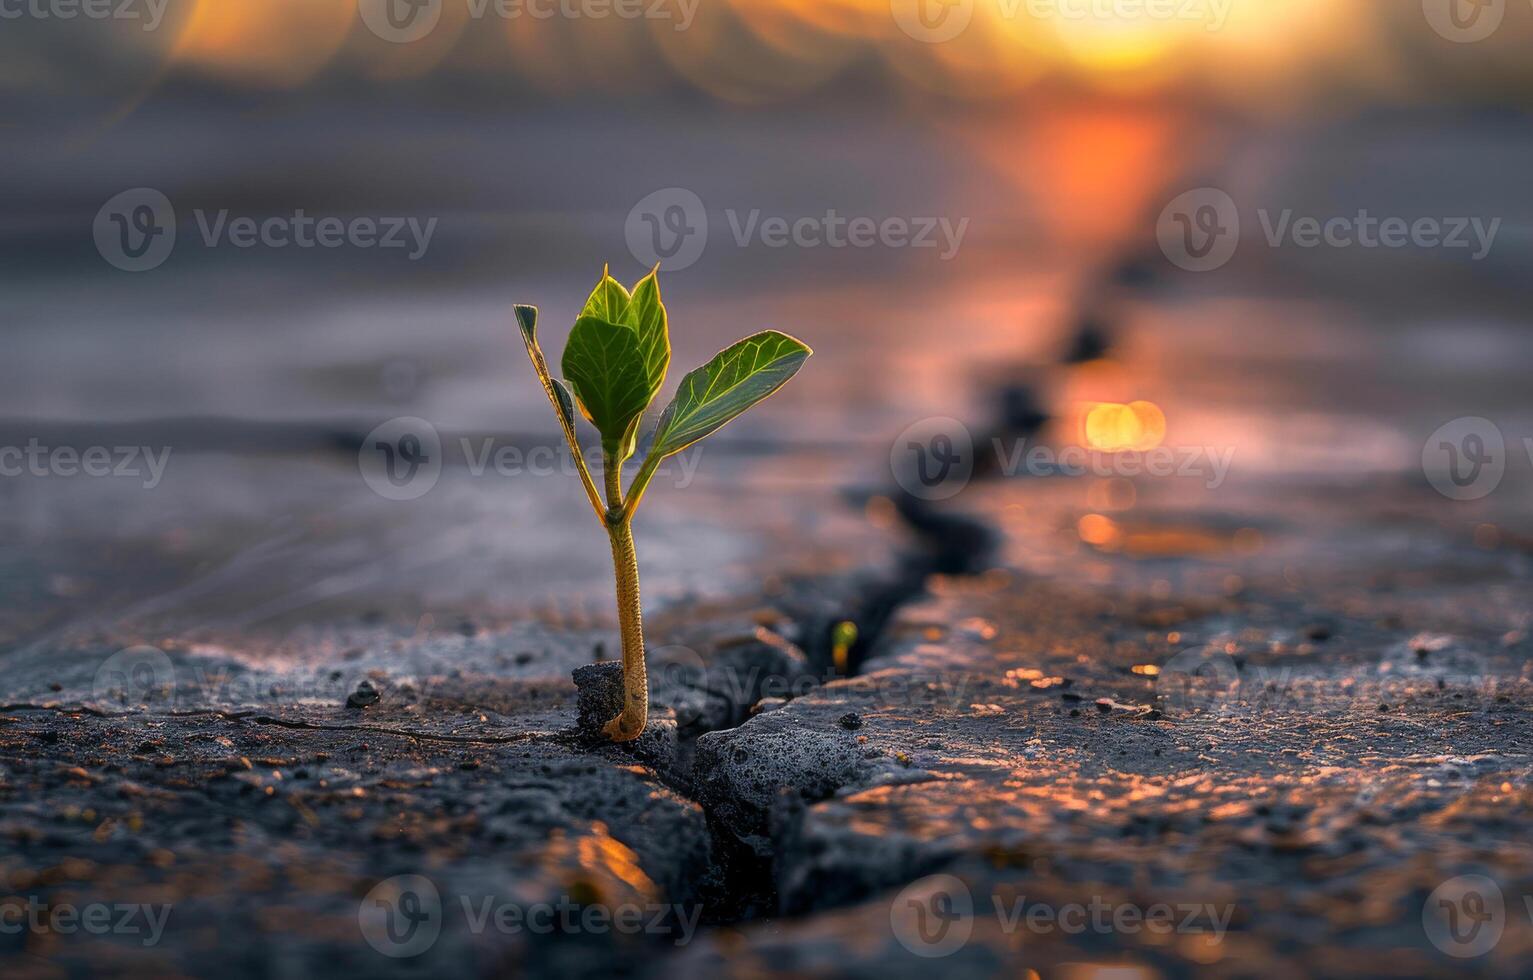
[(629, 724)]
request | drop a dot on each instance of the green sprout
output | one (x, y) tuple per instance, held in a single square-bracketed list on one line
[(841, 640), (614, 365)]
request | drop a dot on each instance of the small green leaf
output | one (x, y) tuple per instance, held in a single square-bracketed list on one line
[(606, 370), (608, 301), (646, 313), (737, 378), (566, 398)]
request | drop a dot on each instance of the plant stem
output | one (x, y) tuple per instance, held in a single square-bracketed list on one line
[(629, 724)]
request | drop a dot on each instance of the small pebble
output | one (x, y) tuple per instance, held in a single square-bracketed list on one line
[(364, 696), (851, 721)]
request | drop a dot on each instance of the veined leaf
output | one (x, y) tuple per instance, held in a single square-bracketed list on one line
[(604, 366), (608, 301), (643, 312), (737, 378), (646, 313)]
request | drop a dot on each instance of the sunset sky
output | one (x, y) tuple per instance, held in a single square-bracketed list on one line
[(1275, 55)]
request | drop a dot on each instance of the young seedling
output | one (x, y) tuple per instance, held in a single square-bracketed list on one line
[(614, 365)]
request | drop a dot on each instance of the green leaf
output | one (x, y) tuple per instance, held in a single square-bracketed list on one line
[(566, 397), (737, 378), (608, 301), (604, 366), (646, 313)]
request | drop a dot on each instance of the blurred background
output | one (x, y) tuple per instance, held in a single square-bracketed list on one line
[(516, 147)]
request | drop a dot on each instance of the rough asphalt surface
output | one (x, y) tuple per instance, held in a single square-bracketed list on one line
[(1023, 773)]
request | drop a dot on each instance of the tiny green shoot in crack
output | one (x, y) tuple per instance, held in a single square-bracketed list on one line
[(841, 640), (614, 365)]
